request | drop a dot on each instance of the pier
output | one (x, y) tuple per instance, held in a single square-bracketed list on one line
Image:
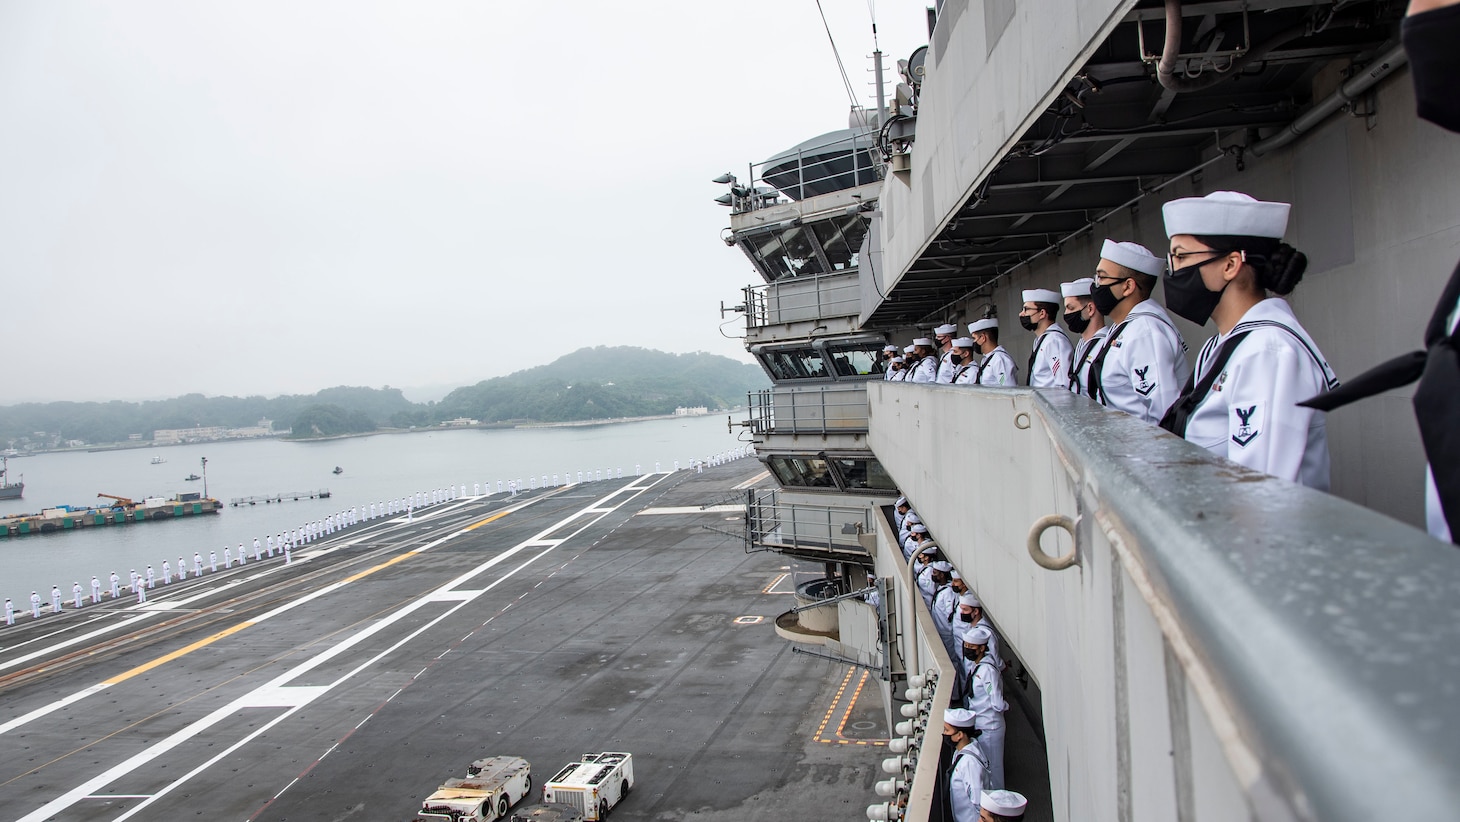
[(267, 499)]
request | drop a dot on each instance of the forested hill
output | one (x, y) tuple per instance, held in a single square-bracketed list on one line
[(590, 384), (606, 383)]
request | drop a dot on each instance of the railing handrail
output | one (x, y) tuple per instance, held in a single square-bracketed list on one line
[(767, 415), (1317, 635)]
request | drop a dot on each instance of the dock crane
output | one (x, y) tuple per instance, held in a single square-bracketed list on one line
[(122, 502)]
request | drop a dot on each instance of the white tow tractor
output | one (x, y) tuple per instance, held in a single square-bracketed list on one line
[(491, 787), (594, 785)]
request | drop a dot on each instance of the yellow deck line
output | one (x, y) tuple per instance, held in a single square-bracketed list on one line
[(206, 641)]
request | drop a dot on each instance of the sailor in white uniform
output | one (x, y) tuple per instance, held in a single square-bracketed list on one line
[(116, 582), (1049, 360), (95, 590), (9, 612), (983, 693), (1228, 260), (166, 572), (1141, 364), (969, 774), (900, 510), (35, 605), (965, 362), (945, 613), (55, 600), (1082, 318), (197, 564), (944, 335), (151, 577), (925, 365), (182, 569), (996, 368), (258, 549), (228, 557), (76, 594), (888, 352), (213, 560), (895, 370)]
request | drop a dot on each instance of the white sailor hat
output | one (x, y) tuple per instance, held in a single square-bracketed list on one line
[(957, 575), (919, 528), (963, 342), (1226, 212), (889, 348), (907, 349), (970, 600), (901, 501), (899, 359), (930, 547), (945, 330), (983, 325), (978, 635), (923, 341), (958, 717), (912, 516), (1041, 295), (1133, 256), (945, 567), (1079, 288), (1003, 803)]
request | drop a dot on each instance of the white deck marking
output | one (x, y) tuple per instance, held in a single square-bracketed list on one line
[(752, 481), (713, 509), (274, 692), (54, 706), (72, 641)]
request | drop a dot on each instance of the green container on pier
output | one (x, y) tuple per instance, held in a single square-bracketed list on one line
[(98, 519), (139, 516), (24, 528), (119, 516), (67, 523)]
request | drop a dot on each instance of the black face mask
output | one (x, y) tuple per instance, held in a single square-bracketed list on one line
[(1027, 322), (970, 654), (956, 359), (1187, 296), (1434, 64), (966, 617), (1104, 298), (1077, 321)]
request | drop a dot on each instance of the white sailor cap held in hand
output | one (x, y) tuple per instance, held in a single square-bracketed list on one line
[(983, 325), (1133, 256), (1041, 295), (1003, 803), (1226, 213), (1079, 288)]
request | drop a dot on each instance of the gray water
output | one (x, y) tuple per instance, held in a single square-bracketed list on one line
[(376, 468)]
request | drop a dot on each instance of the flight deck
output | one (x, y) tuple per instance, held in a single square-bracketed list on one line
[(385, 658)]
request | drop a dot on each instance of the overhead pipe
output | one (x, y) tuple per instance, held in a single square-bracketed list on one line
[(1171, 51), (1386, 65)]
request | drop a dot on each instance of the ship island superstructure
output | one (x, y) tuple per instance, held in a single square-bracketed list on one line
[(1187, 640)]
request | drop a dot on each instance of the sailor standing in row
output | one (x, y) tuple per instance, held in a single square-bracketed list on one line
[(965, 362), (76, 594), (151, 577), (166, 572), (997, 367), (197, 565), (925, 366), (983, 693), (1050, 359), (944, 335), (1082, 318), (888, 352), (257, 549), (1227, 254), (969, 774), (35, 605), (95, 590), (1142, 363), (242, 559), (55, 600), (213, 560), (182, 569), (228, 557), (9, 612), (116, 582)]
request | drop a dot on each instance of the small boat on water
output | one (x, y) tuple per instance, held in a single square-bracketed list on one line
[(191, 477), (338, 470), (8, 489), (158, 460)]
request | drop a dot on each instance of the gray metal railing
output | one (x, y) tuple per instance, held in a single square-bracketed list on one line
[(809, 170), (821, 409), (771, 524), (797, 299), (1210, 643)]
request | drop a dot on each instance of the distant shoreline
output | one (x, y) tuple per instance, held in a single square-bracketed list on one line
[(509, 425)]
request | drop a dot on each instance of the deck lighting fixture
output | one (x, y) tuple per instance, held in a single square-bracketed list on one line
[(724, 179)]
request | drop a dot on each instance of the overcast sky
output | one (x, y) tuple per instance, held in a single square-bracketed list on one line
[(277, 197)]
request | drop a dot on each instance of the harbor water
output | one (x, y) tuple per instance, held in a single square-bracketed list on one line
[(375, 468)]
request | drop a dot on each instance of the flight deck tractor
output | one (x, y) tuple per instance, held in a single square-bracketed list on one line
[(593, 785), (491, 787)]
